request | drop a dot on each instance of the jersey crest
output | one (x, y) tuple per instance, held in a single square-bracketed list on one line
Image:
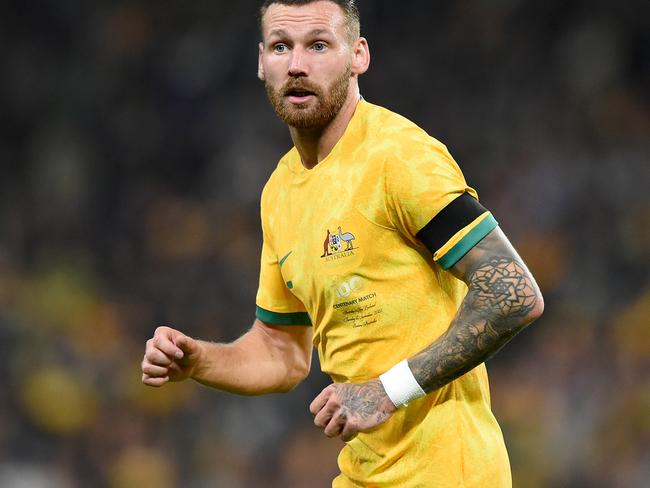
[(336, 243)]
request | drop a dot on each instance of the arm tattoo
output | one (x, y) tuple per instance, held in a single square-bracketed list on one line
[(502, 288), (500, 296)]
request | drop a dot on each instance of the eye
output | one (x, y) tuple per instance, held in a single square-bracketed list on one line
[(280, 48), (319, 46)]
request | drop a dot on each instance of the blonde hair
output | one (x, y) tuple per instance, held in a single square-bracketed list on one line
[(349, 8)]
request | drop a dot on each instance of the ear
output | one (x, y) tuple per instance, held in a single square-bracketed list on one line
[(260, 65), (361, 56)]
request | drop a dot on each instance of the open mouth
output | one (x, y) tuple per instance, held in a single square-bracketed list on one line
[(298, 95)]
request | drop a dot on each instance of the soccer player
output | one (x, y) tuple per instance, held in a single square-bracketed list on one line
[(378, 253)]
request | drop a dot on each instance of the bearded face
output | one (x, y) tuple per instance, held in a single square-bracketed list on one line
[(304, 104)]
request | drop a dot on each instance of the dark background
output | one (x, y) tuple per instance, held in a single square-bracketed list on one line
[(135, 139)]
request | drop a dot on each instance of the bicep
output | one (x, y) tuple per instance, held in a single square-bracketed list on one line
[(498, 278), (467, 241), (494, 247)]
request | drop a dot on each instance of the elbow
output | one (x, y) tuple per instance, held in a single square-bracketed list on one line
[(536, 310), (294, 377), (290, 384), (280, 384)]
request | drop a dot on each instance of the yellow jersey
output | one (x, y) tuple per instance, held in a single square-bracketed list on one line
[(340, 253)]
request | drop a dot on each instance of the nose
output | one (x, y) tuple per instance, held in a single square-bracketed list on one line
[(297, 67)]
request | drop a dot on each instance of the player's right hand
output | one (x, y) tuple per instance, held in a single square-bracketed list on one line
[(170, 355)]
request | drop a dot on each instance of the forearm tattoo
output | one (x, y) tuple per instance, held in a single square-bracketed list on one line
[(501, 295)]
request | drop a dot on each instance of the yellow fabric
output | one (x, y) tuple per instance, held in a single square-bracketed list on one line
[(375, 297)]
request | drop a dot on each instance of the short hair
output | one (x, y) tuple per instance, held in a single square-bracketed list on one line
[(349, 8)]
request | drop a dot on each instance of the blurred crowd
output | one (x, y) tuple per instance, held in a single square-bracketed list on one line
[(135, 139)]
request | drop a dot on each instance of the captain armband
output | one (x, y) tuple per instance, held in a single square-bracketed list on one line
[(400, 384), (456, 229)]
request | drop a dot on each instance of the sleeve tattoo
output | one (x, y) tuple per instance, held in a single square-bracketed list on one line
[(501, 296)]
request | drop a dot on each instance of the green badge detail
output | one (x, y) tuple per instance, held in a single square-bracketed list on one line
[(284, 258), (289, 284)]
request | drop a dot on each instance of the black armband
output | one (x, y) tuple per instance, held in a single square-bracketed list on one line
[(459, 213)]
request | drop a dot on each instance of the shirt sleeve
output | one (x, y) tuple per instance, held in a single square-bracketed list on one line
[(275, 303), (423, 189)]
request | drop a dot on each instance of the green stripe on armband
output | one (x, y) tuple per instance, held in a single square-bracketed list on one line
[(274, 318), (466, 244)]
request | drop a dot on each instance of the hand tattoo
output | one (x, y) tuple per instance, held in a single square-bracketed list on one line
[(365, 402), (345, 409)]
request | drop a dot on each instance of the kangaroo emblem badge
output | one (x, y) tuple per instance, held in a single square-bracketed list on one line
[(333, 244)]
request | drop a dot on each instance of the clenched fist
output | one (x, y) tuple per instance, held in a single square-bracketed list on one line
[(345, 409), (170, 355)]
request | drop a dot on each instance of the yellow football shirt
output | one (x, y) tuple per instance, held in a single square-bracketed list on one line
[(340, 253)]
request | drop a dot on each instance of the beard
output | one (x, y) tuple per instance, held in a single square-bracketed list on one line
[(312, 115)]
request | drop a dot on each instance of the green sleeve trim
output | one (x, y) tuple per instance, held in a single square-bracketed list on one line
[(275, 318), (466, 244)]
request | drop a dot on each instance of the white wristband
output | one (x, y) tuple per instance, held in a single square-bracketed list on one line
[(400, 384)]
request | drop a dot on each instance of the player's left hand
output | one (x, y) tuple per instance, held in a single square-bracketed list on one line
[(345, 409)]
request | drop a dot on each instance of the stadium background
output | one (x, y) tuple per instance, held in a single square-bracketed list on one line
[(134, 142)]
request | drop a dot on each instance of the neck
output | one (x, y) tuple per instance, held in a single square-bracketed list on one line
[(314, 145)]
